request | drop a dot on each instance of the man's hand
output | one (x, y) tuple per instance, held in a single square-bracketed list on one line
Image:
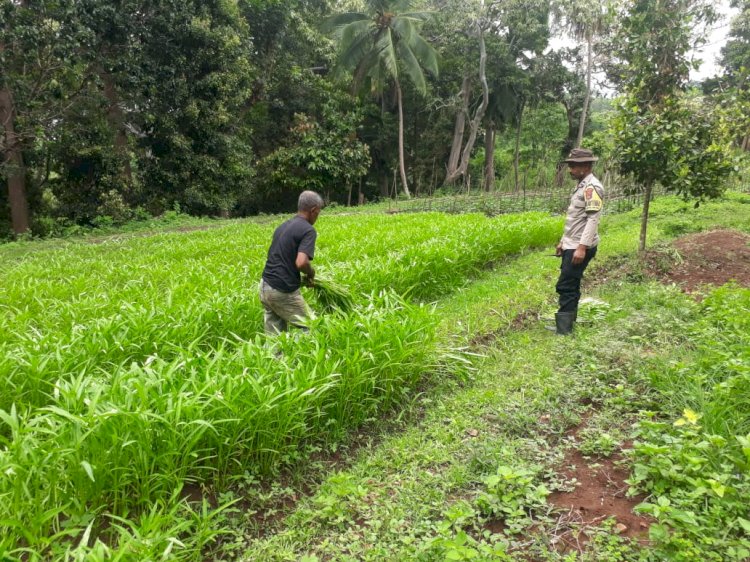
[(579, 255), (558, 249), (304, 266)]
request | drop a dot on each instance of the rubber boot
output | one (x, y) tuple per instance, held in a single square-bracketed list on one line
[(564, 322)]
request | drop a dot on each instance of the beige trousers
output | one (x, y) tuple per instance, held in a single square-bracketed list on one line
[(281, 309)]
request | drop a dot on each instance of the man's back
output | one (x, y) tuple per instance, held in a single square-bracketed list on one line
[(293, 236)]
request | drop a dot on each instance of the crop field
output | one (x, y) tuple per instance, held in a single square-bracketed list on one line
[(145, 416), (426, 408), (130, 370)]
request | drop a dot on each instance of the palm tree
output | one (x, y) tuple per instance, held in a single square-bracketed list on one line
[(377, 46)]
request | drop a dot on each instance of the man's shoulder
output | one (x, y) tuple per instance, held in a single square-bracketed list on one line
[(300, 229), (593, 194), (593, 181), (303, 225), (298, 224)]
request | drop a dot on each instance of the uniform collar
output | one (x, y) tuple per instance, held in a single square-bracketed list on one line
[(584, 181)]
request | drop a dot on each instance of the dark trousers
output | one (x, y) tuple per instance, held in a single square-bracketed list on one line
[(569, 283)]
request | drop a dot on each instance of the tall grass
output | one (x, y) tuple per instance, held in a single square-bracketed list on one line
[(715, 382)]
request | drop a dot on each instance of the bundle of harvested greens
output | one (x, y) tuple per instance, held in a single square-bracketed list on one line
[(332, 295)]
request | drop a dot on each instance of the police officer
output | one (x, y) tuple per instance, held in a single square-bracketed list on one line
[(580, 238)]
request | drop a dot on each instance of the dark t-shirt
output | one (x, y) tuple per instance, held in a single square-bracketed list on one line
[(295, 235)]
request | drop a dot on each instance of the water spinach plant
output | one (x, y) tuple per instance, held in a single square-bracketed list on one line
[(133, 371)]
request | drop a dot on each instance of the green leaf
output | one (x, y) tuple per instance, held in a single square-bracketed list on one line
[(89, 471)]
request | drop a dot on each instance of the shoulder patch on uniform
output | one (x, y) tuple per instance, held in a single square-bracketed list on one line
[(593, 200)]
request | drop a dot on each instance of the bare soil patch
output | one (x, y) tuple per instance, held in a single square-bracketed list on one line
[(704, 259), (599, 495), (710, 258)]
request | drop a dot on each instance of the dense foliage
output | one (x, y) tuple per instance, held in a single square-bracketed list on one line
[(661, 135), (696, 468), (113, 112)]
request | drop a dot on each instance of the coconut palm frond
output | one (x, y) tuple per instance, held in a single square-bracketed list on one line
[(399, 6), (387, 53), (378, 78), (411, 67), (404, 28), (356, 42), (419, 16), (332, 23), (426, 55)]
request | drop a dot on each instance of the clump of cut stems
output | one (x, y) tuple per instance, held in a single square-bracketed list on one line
[(332, 295)]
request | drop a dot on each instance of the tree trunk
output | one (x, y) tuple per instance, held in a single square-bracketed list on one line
[(458, 129), (116, 120), (587, 99), (401, 164), (415, 176), (517, 151), (570, 138), (478, 115), (489, 157), (383, 180), (19, 205), (644, 218)]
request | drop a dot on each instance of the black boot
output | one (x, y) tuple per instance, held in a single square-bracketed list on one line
[(564, 322)]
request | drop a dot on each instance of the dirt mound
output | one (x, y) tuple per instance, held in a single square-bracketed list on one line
[(708, 258)]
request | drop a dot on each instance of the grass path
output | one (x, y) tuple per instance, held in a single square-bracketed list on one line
[(393, 498), (418, 493)]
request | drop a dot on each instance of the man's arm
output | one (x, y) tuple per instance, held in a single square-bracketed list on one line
[(580, 254), (594, 206), (305, 253), (303, 265), (588, 236)]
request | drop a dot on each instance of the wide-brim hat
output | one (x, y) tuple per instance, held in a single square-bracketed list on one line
[(581, 155)]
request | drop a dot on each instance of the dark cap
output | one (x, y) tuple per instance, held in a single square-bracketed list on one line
[(581, 155)]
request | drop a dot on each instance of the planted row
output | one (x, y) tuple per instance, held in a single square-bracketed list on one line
[(103, 307), (114, 444), (130, 370)]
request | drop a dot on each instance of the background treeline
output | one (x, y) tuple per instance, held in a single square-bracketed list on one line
[(123, 109)]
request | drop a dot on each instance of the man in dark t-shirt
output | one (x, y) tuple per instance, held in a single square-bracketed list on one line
[(292, 249)]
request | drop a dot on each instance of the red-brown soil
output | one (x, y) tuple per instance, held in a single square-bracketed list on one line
[(694, 261), (711, 258), (599, 495)]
